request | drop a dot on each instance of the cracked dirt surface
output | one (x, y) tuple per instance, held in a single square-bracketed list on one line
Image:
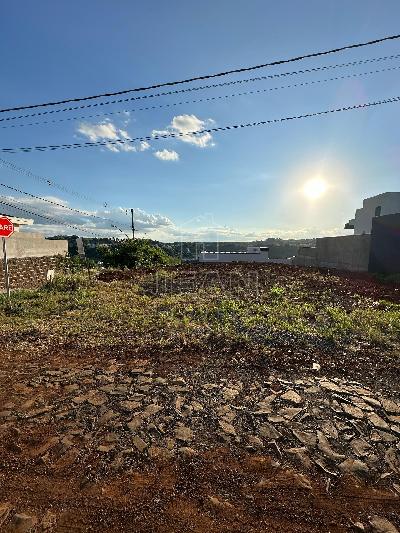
[(213, 438)]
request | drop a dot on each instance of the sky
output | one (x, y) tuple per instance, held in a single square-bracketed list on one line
[(296, 179)]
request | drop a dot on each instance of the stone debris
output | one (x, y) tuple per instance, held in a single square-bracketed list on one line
[(382, 525), (292, 397), (125, 415), (22, 523), (269, 432), (183, 433)]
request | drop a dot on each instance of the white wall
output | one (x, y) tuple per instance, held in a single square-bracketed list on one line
[(220, 257), (390, 204)]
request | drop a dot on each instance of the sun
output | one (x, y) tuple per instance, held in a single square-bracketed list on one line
[(314, 188)]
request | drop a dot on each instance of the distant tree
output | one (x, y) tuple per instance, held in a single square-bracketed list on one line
[(136, 253)]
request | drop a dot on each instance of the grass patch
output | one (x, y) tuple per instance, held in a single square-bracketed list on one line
[(76, 309)]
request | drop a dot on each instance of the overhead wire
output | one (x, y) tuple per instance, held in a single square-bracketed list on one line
[(57, 204), (210, 99), (199, 88), (28, 210), (214, 75), (48, 181), (168, 135)]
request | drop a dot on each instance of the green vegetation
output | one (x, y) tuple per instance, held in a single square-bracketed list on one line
[(77, 308), (136, 253)]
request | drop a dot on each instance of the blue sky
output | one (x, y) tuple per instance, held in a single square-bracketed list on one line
[(240, 185)]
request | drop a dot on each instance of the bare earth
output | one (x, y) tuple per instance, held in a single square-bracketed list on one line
[(216, 441)]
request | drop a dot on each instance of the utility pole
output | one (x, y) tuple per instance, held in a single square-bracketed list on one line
[(133, 226)]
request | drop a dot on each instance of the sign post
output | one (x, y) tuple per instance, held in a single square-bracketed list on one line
[(6, 230)]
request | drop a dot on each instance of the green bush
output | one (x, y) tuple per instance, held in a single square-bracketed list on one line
[(136, 253)]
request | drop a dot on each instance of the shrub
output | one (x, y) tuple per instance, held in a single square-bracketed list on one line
[(136, 253)]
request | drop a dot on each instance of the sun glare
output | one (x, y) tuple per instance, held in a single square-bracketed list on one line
[(314, 188)]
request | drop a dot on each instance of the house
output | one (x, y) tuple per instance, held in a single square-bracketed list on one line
[(374, 246), (387, 203)]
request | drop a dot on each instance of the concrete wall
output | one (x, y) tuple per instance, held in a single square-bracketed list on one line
[(306, 256), (24, 244), (350, 252), (232, 257), (385, 245)]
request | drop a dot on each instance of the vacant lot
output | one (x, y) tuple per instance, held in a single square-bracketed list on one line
[(204, 399)]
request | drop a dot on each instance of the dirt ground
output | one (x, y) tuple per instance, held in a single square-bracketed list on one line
[(212, 445)]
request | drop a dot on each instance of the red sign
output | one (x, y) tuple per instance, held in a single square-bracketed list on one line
[(6, 227)]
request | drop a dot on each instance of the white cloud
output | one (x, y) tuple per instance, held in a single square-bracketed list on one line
[(106, 130), (144, 145), (144, 221), (185, 127), (167, 155)]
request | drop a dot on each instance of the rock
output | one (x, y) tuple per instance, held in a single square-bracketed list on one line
[(151, 410), (22, 523), (227, 428), (330, 430), (139, 443), (107, 416), (354, 466), (229, 394), (391, 407), (326, 449), (157, 452), (377, 421), (219, 504), (353, 411), (255, 442), (105, 448), (197, 406), (97, 399), (187, 452), (264, 408), (358, 526), (332, 387), (276, 419), (300, 454), (179, 401), (382, 525), (306, 437), (135, 423), (316, 367), (392, 458), (371, 401), (5, 509), (269, 432), (80, 399), (183, 433), (292, 397), (130, 405), (379, 436), (360, 447), (289, 412)]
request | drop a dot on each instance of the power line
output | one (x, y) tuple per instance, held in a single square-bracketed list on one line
[(44, 216), (209, 99), (89, 215), (200, 88), (53, 183), (195, 133), (208, 76), (48, 181)]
